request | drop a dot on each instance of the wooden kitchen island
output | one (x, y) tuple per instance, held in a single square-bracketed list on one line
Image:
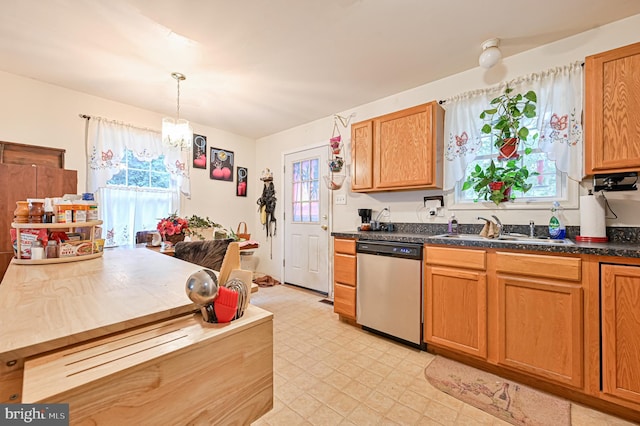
[(117, 338)]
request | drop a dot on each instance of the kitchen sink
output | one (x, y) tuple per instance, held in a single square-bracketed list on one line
[(507, 238)]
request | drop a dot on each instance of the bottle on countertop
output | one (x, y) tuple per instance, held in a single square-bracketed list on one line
[(49, 215), (557, 228), (453, 225)]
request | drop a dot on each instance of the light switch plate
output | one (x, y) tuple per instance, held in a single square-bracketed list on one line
[(341, 199)]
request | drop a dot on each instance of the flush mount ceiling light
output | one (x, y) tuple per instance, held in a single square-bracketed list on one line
[(490, 53), (177, 133)]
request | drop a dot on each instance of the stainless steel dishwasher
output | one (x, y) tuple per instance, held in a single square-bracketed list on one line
[(389, 289)]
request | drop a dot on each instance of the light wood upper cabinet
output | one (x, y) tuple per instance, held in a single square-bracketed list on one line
[(406, 150), (362, 155), (612, 111), (620, 286)]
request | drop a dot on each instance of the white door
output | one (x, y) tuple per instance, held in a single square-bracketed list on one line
[(306, 218)]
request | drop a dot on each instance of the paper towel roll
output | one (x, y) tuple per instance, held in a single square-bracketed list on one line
[(592, 217)]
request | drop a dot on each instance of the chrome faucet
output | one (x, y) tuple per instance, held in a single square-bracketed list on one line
[(532, 229)]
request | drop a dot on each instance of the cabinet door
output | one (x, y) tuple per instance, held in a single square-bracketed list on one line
[(54, 182), (405, 153), (362, 156), (612, 119), (19, 183), (344, 269), (540, 327), (455, 303), (344, 300), (621, 331)]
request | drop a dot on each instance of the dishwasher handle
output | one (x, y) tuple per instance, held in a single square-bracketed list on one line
[(390, 248)]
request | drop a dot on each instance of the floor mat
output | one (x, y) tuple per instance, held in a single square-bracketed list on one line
[(504, 399)]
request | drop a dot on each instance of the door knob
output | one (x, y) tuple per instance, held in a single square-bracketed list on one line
[(324, 227)]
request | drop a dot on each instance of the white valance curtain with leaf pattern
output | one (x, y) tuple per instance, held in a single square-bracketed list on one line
[(559, 121)]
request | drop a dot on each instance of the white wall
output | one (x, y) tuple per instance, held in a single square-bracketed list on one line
[(37, 113), (405, 206)]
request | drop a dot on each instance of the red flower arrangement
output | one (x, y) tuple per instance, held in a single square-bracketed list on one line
[(173, 225)]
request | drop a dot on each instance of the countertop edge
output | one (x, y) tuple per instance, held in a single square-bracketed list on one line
[(599, 249)]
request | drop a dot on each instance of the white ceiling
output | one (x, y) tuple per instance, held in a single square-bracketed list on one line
[(256, 67)]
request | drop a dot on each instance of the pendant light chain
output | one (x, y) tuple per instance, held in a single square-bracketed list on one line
[(178, 101)]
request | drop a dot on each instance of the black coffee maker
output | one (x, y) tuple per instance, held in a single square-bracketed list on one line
[(365, 215)]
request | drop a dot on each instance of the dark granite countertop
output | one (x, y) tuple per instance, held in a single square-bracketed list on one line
[(625, 246)]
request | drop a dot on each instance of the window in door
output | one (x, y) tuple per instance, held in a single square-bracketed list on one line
[(305, 205)]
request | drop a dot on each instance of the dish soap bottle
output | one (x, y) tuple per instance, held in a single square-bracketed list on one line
[(557, 229), (453, 225)]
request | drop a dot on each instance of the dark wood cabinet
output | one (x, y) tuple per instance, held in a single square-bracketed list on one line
[(43, 178)]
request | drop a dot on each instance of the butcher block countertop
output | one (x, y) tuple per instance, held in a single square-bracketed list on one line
[(138, 344), (45, 307)]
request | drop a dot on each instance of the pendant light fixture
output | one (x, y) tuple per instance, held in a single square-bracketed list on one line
[(177, 133), (491, 54)]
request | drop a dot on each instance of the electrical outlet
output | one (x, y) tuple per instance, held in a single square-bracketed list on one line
[(341, 199), (433, 212)]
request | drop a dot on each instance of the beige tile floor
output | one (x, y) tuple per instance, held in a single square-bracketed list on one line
[(327, 372)]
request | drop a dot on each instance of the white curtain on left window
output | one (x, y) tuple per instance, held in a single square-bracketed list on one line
[(126, 210)]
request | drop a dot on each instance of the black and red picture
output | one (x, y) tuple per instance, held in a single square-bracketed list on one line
[(221, 164), (241, 185), (199, 151)]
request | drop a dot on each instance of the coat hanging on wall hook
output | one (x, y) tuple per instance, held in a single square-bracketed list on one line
[(267, 203)]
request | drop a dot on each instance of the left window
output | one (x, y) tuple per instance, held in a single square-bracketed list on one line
[(142, 173)]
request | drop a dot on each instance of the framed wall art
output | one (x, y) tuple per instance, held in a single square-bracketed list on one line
[(199, 151), (221, 164), (241, 181)]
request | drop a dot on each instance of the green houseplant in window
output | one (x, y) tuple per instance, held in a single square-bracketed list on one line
[(507, 121), (496, 182)]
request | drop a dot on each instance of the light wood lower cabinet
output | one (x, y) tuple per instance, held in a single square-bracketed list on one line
[(455, 299), (456, 309), (344, 277), (540, 321), (540, 327), (620, 346)]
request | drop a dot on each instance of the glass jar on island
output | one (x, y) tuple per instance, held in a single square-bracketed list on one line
[(36, 211), (52, 249)]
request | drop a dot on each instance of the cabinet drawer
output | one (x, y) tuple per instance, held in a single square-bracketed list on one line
[(463, 258), (344, 300), (344, 269), (543, 266), (163, 371), (344, 246)]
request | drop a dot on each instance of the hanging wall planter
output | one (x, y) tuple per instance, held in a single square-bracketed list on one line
[(334, 182), (336, 164), (505, 117), (336, 144)]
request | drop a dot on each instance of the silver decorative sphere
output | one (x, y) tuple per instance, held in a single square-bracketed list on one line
[(202, 287)]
